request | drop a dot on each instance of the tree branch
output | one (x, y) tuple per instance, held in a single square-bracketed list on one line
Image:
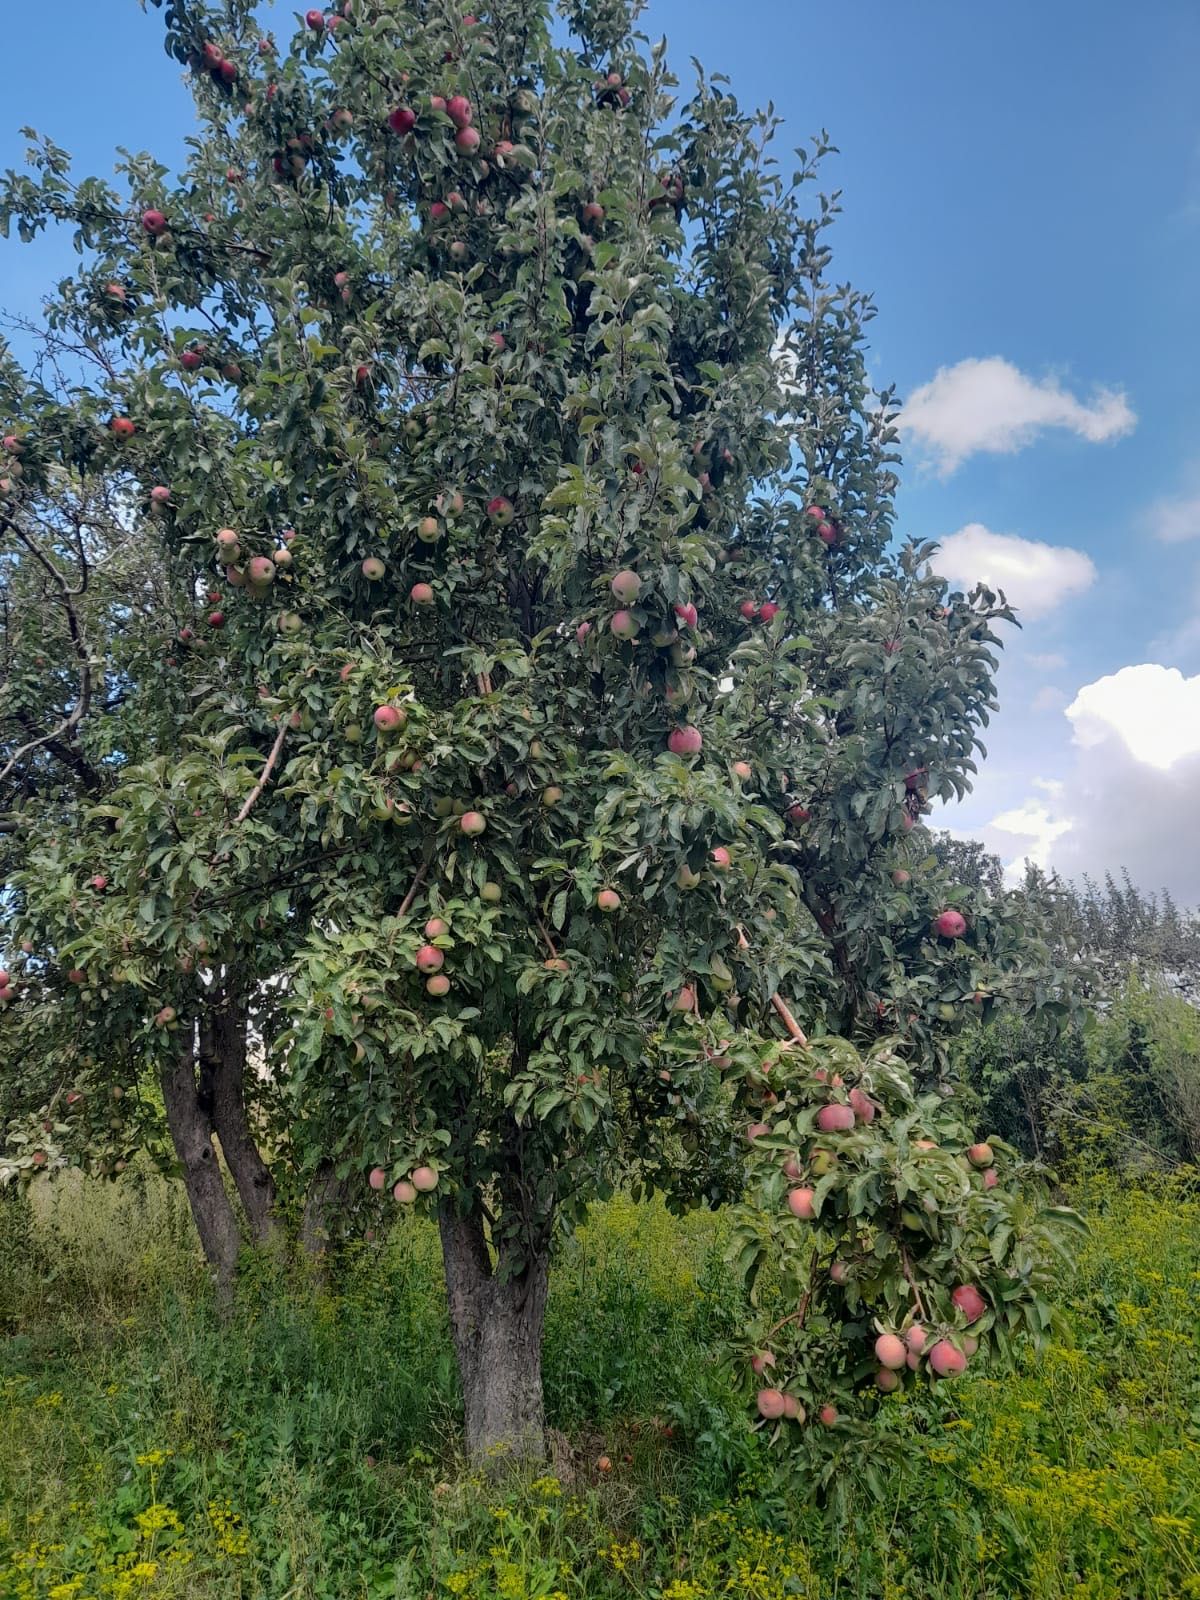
[(265, 775)]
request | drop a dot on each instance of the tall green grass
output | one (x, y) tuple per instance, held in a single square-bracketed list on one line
[(308, 1447)]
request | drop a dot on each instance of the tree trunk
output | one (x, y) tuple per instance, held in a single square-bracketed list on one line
[(222, 1078), (192, 1135), (496, 1321), (327, 1195)]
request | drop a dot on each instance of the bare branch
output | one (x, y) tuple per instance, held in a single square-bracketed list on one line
[(266, 774)]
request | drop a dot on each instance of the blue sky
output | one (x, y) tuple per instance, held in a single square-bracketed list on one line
[(1021, 191)]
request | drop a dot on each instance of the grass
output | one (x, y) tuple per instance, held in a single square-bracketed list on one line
[(308, 1450)]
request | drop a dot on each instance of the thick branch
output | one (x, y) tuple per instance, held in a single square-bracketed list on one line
[(265, 776)]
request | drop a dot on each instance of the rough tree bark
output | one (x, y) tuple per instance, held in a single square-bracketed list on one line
[(327, 1196), (496, 1318), (191, 1131), (222, 1081)]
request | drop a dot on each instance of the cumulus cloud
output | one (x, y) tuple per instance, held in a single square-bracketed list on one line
[(1176, 520), (989, 405), (1130, 798), (1035, 577)]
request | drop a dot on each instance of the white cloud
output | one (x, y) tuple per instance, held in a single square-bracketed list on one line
[(1050, 661), (1154, 710), (1176, 520), (1035, 577), (1049, 699), (1129, 799), (990, 405)]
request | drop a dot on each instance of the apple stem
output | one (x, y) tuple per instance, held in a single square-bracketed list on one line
[(912, 1283), (265, 775)]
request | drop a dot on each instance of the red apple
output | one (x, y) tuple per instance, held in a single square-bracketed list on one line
[(438, 986), (835, 1119), (969, 1301), (373, 569), (890, 1351), (389, 719), (950, 925), (260, 570), (500, 509), (458, 109), (122, 427), (749, 609), (315, 20), (770, 1404), (466, 141), (404, 1192), (608, 900), (687, 614), (377, 1178), (980, 1155), (421, 594), (946, 1359), (216, 619), (154, 222), (685, 741), (721, 859), (424, 1180), (800, 1203), (990, 1178), (863, 1108), (430, 959), (767, 612)]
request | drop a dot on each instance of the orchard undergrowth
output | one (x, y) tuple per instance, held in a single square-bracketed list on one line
[(309, 1447)]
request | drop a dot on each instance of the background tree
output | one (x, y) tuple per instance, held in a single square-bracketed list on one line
[(550, 724)]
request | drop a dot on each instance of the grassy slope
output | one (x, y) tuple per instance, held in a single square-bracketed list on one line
[(308, 1450)]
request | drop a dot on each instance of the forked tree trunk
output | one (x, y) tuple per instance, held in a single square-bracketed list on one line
[(192, 1135), (496, 1322), (222, 1078)]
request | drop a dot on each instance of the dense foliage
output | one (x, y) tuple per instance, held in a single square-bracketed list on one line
[(488, 700)]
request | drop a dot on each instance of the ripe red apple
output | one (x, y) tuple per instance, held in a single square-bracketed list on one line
[(424, 1180), (404, 1192), (190, 360), (592, 213), (890, 1351), (438, 985), (835, 1119), (980, 1155), (315, 20), (916, 1339), (743, 770), (373, 569), (115, 291), (839, 1272), (472, 824), (466, 141), (429, 959), (436, 927), (99, 883), (756, 1130), (687, 614), (828, 1415), (950, 925), (76, 975), (969, 1301), (389, 719), (685, 741), (216, 619), (3, 979), (792, 1409), (816, 512), (798, 814), (160, 494), (500, 508), (900, 877), (154, 222), (800, 1203), (721, 859), (623, 625), (228, 545), (402, 120), (608, 900), (626, 586), (122, 427), (768, 612), (582, 631), (886, 1381), (749, 609), (826, 532), (685, 1000), (260, 570), (760, 1362), (770, 1404), (990, 1178), (421, 594), (947, 1360), (377, 1178), (863, 1108)]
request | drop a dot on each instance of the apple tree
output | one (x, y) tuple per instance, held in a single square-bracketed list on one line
[(553, 720)]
